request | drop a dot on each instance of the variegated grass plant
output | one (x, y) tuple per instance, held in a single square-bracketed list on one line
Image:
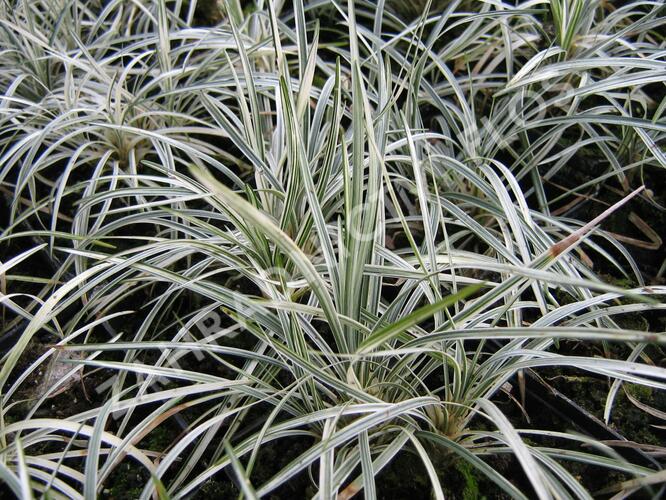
[(363, 201)]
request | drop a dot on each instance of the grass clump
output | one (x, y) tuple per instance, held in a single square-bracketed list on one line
[(294, 243)]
